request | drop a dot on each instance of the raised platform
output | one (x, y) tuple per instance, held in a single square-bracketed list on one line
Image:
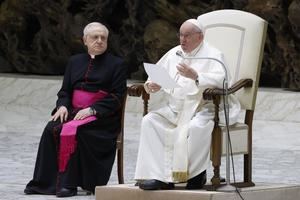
[(259, 192)]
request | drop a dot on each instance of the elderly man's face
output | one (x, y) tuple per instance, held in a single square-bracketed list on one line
[(96, 41), (189, 37)]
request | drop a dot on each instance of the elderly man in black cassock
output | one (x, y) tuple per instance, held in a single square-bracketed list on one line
[(78, 145)]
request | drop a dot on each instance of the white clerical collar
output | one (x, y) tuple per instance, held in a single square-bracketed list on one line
[(92, 56), (195, 51)]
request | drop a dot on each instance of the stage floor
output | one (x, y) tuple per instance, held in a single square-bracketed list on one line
[(258, 192)]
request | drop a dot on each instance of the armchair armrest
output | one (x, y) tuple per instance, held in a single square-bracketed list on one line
[(137, 89), (211, 93)]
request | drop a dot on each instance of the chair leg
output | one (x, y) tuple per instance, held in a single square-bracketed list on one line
[(248, 170), (120, 166), (248, 157), (215, 180), (216, 156)]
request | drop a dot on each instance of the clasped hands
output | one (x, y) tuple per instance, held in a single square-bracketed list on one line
[(62, 113), (183, 70)]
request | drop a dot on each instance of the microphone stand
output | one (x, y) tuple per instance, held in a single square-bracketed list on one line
[(228, 187)]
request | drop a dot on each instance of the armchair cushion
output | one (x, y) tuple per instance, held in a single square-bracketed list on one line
[(239, 138)]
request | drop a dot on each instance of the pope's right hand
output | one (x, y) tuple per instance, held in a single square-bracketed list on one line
[(153, 87), (61, 113)]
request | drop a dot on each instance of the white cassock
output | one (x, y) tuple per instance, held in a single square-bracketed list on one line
[(175, 139)]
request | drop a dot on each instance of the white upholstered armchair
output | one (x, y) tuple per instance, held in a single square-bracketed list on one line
[(240, 36)]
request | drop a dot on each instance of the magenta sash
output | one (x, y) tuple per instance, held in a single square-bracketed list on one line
[(68, 143)]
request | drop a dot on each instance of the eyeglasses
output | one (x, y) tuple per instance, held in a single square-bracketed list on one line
[(186, 35)]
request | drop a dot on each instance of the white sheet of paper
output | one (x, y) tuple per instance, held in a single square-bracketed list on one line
[(160, 76)]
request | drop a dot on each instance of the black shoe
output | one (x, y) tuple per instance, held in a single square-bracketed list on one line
[(222, 179), (137, 183), (65, 192), (155, 185), (197, 182), (28, 190)]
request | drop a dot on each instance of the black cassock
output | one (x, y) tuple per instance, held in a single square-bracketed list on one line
[(91, 163)]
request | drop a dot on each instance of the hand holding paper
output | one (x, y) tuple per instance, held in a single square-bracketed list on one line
[(160, 76)]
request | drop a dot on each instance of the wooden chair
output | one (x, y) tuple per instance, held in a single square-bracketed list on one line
[(137, 90), (240, 36)]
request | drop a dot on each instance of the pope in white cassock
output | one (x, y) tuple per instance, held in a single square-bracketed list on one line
[(175, 139)]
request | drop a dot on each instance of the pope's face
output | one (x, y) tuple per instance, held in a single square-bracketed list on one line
[(96, 41), (189, 37)]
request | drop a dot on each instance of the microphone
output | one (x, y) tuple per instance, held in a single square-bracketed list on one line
[(179, 53), (226, 107)]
